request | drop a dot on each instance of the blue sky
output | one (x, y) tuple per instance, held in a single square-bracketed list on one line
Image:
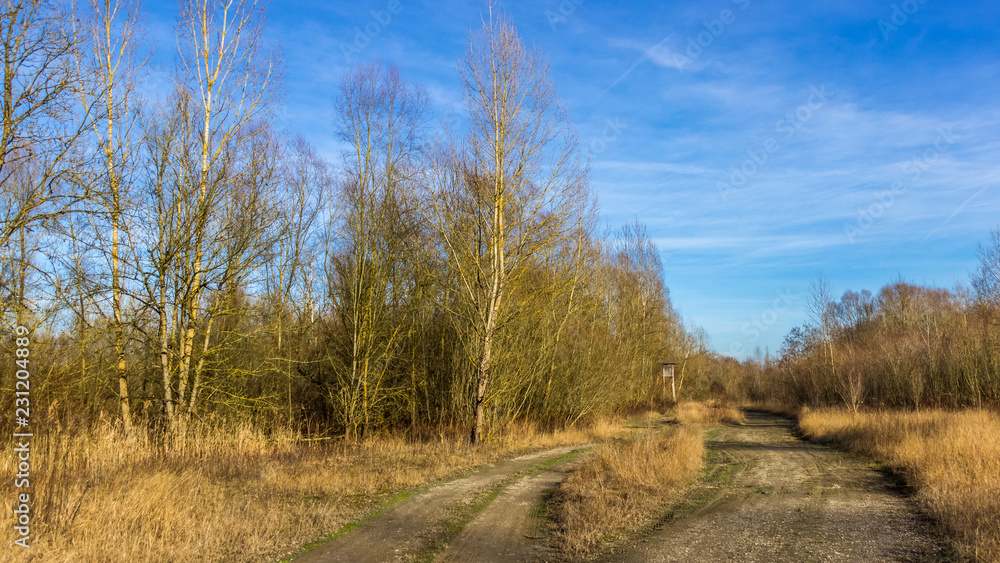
[(762, 142)]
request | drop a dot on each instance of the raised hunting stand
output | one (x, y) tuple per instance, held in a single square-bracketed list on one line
[(668, 371)]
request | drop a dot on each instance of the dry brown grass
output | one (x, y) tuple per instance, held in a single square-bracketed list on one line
[(230, 495), (951, 458), (712, 412), (622, 486)]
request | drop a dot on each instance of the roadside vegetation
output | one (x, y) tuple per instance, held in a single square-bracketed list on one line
[(950, 458), (628, 483), (906, 347), (622, 487), (242, 495), (708, 412)]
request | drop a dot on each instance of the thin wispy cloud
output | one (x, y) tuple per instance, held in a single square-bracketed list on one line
[(957, 210), (648, 54)]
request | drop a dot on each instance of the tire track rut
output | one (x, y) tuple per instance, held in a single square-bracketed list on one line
[(512, 528)]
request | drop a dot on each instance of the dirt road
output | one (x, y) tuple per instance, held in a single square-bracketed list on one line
[(773, 497), (417, 527), (513, 527), (767, 496)]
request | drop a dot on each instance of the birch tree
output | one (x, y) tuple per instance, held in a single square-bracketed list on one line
[(227, 82), (110, 64), (515, 188)]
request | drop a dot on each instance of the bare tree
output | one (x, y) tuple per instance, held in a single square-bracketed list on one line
[(640, 304), (819, 308), (568, 264), (110, 67), (169, 230), (986, 280), (289, 274), (380, 116), (40, 122), (210, 186), (514, 187)]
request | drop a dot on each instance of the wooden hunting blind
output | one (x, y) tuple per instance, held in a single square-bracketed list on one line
[(668, 371)]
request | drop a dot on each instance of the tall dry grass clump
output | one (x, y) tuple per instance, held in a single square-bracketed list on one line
[(711, 412), (231, 492), (951, 458), (623, 485)]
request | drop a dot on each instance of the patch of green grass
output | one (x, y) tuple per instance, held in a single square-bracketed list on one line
[(688, 506), (540, 516), (541, 510), (713, 433), (539, 467), (724, 474)]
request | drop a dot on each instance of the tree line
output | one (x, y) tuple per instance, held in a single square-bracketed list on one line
[(907, 346), (181, 257)]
